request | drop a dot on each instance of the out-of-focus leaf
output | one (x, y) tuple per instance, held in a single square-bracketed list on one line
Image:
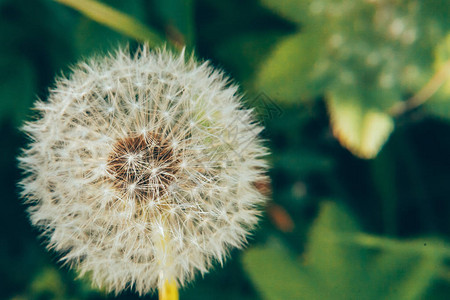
[(94, 38), (48, 283), (277, 275), (417, 280), (52, 283), (382, 51), (439, 104), (115, 19), (287, 74), (17, 88), (358, 124), (338, 266)]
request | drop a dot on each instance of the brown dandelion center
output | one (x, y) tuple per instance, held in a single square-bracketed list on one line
[(142, 166)]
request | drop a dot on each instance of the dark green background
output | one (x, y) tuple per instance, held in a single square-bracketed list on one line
[(401, 194)]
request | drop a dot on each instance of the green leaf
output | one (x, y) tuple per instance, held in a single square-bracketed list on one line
[(341, 262), (49, 282), (287, 74), (116, 20), (417, 279), (277, 275), (94, 38), (359, 124), (339, 267), (358, 59), (402, 275)]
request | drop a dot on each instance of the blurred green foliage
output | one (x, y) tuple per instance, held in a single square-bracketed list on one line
[(323, 76), (363, 56), (342, 263)]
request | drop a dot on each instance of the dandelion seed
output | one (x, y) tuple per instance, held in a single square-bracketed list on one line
[(133, 188)]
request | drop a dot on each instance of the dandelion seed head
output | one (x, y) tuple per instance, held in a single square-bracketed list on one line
[(134, 169)]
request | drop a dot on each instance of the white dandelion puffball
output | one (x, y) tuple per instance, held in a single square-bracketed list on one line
[(143, 168)]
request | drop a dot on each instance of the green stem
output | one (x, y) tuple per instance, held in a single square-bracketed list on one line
[(432, 86)]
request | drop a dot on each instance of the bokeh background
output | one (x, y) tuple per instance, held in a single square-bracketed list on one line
[(355, 98)]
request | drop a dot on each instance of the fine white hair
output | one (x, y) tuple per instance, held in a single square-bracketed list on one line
[(143, 168)]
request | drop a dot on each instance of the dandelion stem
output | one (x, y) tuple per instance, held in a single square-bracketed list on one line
[(439, 78), (169, 290), (168, 286)]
